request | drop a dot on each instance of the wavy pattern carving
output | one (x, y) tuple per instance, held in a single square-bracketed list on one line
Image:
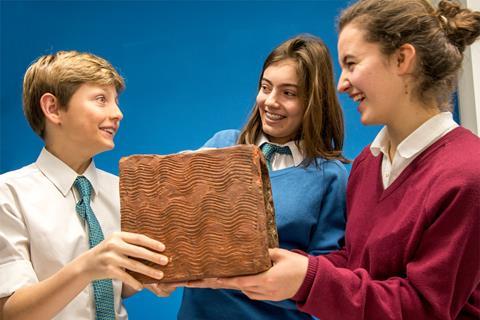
[(212, 208)]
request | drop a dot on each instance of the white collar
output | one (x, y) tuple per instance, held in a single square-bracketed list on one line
[(61, 175), (418, 140), (296, 152)]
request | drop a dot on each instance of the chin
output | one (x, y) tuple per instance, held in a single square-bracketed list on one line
[(367, 120), (268, 130), (273, 134), (109, 147), (105, 147)]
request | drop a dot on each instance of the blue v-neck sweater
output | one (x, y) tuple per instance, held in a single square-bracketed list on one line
[(310, 215)]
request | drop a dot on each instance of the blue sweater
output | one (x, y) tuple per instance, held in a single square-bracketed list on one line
[(310, 216)]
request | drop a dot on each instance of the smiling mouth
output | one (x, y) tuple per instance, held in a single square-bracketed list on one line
[(359, 97), (110, 131), (273, 116)]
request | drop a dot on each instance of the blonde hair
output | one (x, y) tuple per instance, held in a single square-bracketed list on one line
[(61, 74), (322, 128)]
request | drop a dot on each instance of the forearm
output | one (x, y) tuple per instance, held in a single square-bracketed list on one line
[(329, 293), (108, 260), (338, 258), (332, 293), (48, 297)]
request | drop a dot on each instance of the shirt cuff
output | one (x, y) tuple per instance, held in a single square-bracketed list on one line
[(15, 275), (304, 289)]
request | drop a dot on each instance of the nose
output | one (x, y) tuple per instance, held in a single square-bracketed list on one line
[(271, 99), (116, 112), (343, 83)]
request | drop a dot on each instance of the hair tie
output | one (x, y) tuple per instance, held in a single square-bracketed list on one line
[(444, 19)]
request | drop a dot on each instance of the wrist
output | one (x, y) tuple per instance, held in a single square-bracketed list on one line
[(80, 269), (307, 283)]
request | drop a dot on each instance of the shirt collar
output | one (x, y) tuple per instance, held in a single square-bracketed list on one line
[(418, 140), (61, 175), (296, 152), (381, 143)]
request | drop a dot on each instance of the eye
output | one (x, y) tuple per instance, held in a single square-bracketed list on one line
[(290, 93), (350, 65), (101, 99), (265, 88)]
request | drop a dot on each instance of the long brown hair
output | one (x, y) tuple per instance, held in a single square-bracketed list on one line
[(322, 128), (438, 35)]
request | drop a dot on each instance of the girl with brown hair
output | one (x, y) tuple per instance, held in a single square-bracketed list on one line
[(412, 248), (298, 123)]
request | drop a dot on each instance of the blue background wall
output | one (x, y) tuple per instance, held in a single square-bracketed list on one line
[(191, 69)]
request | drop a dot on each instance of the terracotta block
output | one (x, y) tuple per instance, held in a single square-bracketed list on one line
[(212, 209)]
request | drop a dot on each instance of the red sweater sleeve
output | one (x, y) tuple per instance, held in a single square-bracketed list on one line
[(338, 258), (440, 277)]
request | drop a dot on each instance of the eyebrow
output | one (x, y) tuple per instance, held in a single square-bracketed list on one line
[(281, 85), (105, 90), (345, 58)]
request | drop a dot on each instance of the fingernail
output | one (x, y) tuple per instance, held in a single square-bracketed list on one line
[(159, 274), (163, 260)]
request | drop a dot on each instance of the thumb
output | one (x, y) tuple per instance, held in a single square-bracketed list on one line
[(275, 254)]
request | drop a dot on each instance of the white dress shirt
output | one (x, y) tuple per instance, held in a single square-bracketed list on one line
[(282, 161), (412, 146), (40, 231)]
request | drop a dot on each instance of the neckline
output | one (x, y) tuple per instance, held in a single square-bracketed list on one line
[(281, 171), (292, 168), (385, 192)]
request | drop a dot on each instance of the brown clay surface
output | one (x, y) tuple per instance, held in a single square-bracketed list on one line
[(212, 209)]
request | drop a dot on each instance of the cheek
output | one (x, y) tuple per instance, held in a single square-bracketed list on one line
[(296, 117), (296, 110), (362, 75), (356, 80), (260, 100), (298, 122)]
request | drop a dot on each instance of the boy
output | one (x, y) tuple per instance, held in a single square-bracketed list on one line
[(60, 216)]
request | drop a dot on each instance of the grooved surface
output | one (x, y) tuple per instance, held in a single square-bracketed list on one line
[(211, 208)]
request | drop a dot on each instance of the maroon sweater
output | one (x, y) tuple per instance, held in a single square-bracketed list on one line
[(412, 251)]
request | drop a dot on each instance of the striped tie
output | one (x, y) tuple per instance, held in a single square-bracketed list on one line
[(269, 150), (102, 289)]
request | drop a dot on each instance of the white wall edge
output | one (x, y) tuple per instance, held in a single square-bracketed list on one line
[(469, 82)]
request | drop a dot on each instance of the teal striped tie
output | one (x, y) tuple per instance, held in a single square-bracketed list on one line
[(269, 150), (102, 289)]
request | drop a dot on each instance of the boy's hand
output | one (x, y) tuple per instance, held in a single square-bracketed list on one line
[(110, 258), (163, 289)]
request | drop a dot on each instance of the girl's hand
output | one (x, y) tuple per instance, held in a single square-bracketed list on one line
[(280, 282)]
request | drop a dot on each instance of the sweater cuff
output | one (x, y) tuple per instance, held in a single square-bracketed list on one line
[(303, 253), (304, 289)]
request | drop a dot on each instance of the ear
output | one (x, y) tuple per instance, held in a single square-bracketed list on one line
[(405, 59), (50, 107)]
